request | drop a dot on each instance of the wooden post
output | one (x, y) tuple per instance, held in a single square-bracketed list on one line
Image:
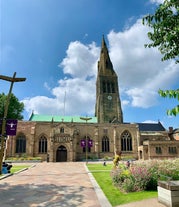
[(4, 136)]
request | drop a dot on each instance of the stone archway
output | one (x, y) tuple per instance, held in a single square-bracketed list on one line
[(61, 154)]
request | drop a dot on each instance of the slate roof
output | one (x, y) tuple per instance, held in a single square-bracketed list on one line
[(49, 118), (151, 127)]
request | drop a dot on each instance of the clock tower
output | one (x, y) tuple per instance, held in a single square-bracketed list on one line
[(108, 104)]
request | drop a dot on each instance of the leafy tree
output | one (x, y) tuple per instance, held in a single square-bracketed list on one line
[(165, 25), (15, 107), (165, 35), (171, 94)]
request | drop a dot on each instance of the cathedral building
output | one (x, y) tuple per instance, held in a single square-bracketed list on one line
[(75, 138)]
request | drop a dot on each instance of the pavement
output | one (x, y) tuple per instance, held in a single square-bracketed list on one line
[(67, 184)]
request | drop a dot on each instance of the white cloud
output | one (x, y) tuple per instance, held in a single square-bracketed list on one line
[(140, 70), (80, 96), (42, 104), (80, 60), (81, 64), (157, 1), (150, 121), (142, 98)]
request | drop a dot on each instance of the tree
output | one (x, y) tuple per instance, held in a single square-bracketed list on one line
[(171, 94), (165, 25), (15, 107), (165, 36)]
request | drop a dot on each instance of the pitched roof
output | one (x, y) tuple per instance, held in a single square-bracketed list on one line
[(77, 119), (151, 127), (49, 118)]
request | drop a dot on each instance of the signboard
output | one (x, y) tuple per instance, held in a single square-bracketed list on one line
[(11, 127), (61, 137)]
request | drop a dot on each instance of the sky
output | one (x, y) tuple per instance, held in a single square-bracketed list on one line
[(55, 45)]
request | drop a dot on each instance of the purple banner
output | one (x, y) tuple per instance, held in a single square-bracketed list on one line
[(83, 143), (11, 126), (90, 143)]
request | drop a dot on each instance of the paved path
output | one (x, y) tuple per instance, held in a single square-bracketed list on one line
[(49, 185), (57, 185), (152, 202)]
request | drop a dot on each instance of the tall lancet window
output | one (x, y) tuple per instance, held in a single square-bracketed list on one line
[(105, 144), (43, 144), (126, 141), (21, 144)]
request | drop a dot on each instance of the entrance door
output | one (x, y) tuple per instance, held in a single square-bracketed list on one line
[(61, 154)]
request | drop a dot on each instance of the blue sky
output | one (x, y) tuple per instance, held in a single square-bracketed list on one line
[(56, 44)]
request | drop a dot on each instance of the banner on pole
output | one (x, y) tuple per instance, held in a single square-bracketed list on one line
[(11, 127), (83, 143), (90, 143)]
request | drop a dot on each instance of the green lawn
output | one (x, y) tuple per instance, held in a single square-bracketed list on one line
[(115, 197), (16, 168)]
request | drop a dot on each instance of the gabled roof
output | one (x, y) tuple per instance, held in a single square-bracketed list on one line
[(49, 118), (151, 127)]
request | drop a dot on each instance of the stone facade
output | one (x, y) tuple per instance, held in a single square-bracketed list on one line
[(106, 139), (59, 139)]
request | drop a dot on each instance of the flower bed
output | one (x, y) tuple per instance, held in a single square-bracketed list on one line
[(144, 175), (24, 159)]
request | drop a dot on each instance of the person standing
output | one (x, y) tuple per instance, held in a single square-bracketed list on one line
[(117, 158)]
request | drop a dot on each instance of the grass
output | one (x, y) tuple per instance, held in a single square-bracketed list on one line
[(102, 175), (16, 168)]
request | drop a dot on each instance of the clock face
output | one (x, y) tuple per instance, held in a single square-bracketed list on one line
[(109, 97)]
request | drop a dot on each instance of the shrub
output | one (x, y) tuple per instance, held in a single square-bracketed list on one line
[(145, 175)]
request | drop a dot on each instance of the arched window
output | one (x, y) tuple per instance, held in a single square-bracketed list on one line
[(88, 148), (126, 141), (61, 130), (21, 144), (105, 144), (43, 144)]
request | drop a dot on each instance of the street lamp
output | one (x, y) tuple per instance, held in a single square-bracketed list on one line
[(86, 119), (2, 142)]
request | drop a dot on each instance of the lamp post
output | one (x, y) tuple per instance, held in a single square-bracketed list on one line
[(2, 142), (86, 119)]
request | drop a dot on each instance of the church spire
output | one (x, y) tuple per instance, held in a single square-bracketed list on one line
[(105, 63), (103, 45), (108, 104)]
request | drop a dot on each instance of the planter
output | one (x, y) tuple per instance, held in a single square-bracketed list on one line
[(168, 193)]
